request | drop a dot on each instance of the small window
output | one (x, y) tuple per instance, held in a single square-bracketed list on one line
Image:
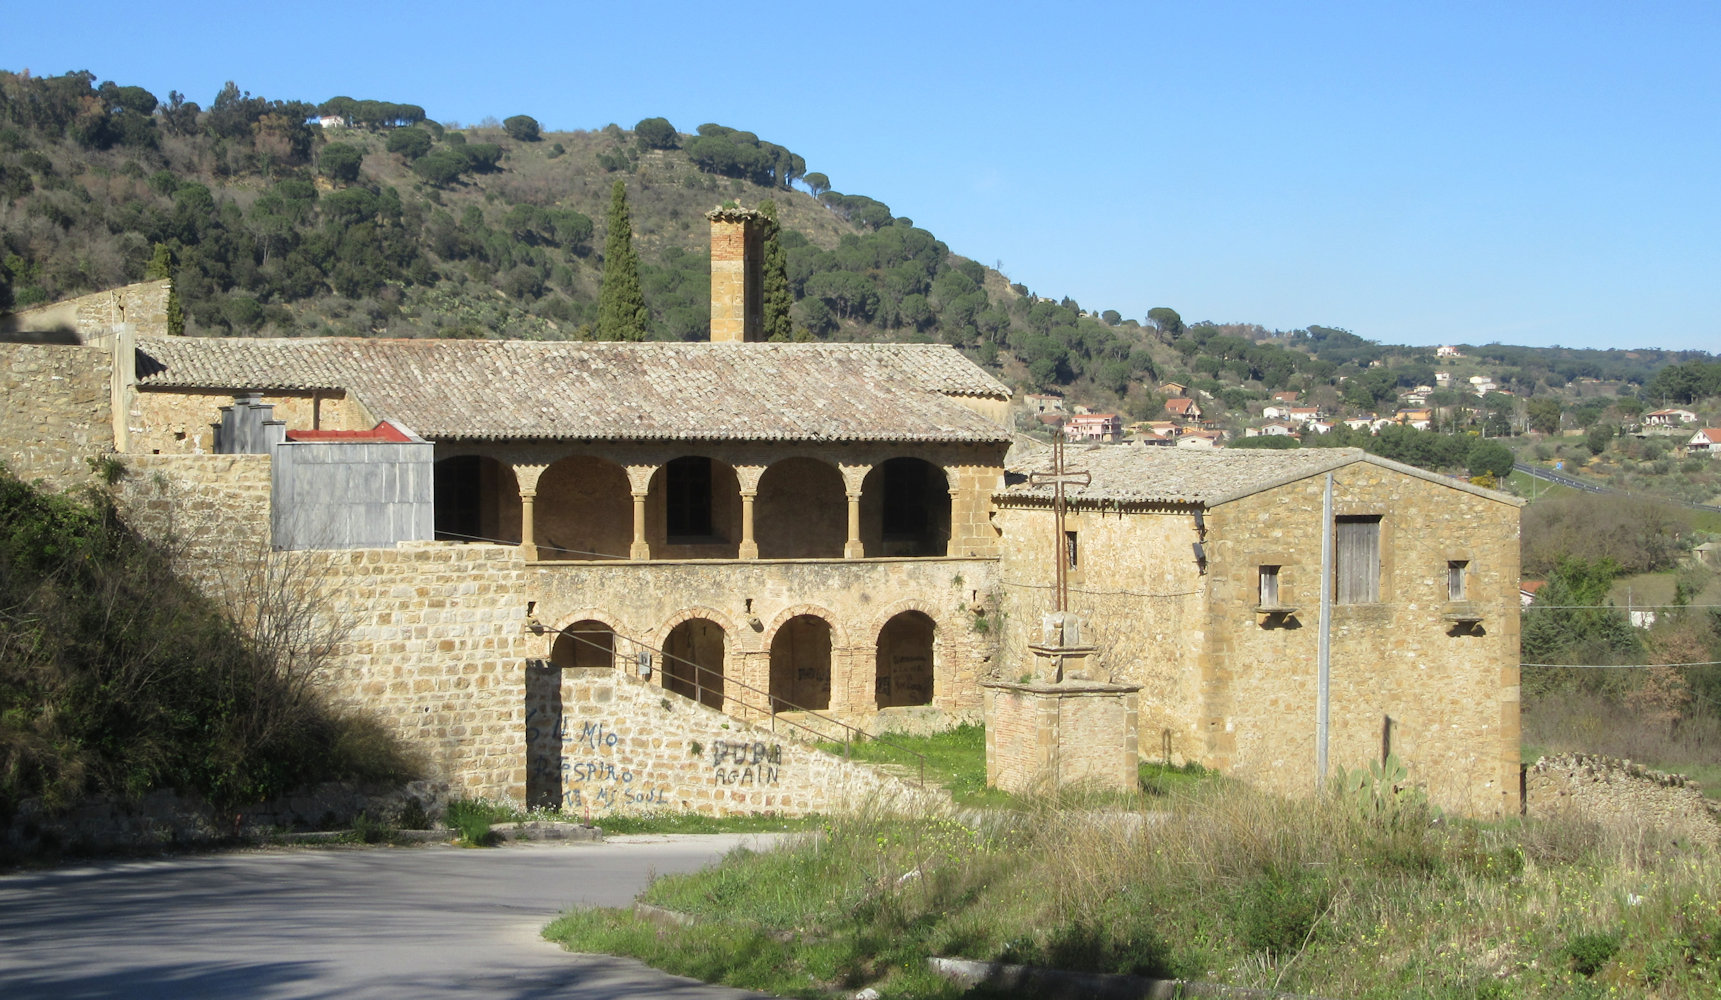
[(1356, 566), (1070, 551), (1269, 590), (1457, 571)]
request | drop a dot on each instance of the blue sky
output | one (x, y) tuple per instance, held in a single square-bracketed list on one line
[(1532, 173)]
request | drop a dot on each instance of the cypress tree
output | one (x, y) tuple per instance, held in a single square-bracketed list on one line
[(621, 303), (161, 266), (774, 280)]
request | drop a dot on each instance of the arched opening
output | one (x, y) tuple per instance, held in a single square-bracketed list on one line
[(693, 661), (477, 500), (584, 645), (694, 510), (801, 511), (584, 510), (801, 665), (905, 661), (905, 509)]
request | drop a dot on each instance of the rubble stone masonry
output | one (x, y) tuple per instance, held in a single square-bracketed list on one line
[(53, 411)]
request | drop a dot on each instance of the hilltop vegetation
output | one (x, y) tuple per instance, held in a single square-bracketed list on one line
[(394, 224)]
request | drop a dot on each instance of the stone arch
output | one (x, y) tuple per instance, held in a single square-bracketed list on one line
[(477, 498), (587, 643), (801, 655), (801, 511), (584, 510), (694, 651), (693, 509), (906, 659), (905, 508)]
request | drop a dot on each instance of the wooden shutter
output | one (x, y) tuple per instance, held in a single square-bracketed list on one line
[(1356, 547)]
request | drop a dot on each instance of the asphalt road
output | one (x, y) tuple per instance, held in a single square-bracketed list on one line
[(427, 922)]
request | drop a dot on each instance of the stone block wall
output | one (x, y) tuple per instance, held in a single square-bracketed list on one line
[(1045, 736), (608, 743), (1620, 794), (1443, 698), (54, 411), (210, 511), (93, 317), (182, 422), (751, 601)]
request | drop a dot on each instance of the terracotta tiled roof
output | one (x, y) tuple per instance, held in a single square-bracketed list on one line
[(533, 390), (1181, 477)]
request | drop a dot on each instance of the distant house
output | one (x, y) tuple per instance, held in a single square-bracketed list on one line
[(1527, 591), (1200, 439), (1174, 389), (1303, 414), (1358, 423), (1275, 412), (1273, 429), (1044, 403), (331, 121), (1414, 399), (1705, 442), (1667, 418), (1447, 351), (1286, 397), (1319, 426), (1419, 419), (1442, 378), (1183, 408), (1106, 427)]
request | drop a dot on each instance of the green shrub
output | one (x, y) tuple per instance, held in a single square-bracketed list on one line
[(1588, 953), (1278, 910)]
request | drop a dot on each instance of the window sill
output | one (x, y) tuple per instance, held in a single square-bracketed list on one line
[(1461, 612), (1276, 609)]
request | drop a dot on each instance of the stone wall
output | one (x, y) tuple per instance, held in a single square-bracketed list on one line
[(1443, 698), (211, 511), (93, 317), (610, 743), (1040, 737), (1234, 690), (167, 818), (182, 422), (751, 601), (54, 411), (1620, 794)]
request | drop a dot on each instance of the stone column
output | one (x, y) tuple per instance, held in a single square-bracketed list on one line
[(641, 550), (749, 548), (527, 475), (852, 549), (528, 535)]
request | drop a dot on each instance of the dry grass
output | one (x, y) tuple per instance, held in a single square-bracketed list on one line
[(1230, 885)]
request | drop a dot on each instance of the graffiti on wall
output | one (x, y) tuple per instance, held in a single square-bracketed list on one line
[(741, 763), (576, 763)]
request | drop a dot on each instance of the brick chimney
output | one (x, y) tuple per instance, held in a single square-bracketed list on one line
[(737, 303)]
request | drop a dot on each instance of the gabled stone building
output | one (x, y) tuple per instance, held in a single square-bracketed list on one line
[(1288, 610)]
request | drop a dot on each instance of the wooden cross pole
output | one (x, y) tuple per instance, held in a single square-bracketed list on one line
[(1060, 477)]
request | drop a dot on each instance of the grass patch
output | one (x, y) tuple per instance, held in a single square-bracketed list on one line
[(955, 761), (1233, 886)]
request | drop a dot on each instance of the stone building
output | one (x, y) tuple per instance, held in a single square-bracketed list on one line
[(777, 534), (1246, 590)]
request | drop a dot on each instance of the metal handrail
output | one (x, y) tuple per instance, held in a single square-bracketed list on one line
[(850, 732)]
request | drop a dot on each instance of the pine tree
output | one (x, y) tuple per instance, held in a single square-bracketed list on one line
[(774, 280), (621, 304)]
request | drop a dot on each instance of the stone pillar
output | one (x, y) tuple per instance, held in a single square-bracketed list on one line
[(852, 549), (526, 475), (528, 535), (749, 548), (737, 302), (640, 551)]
